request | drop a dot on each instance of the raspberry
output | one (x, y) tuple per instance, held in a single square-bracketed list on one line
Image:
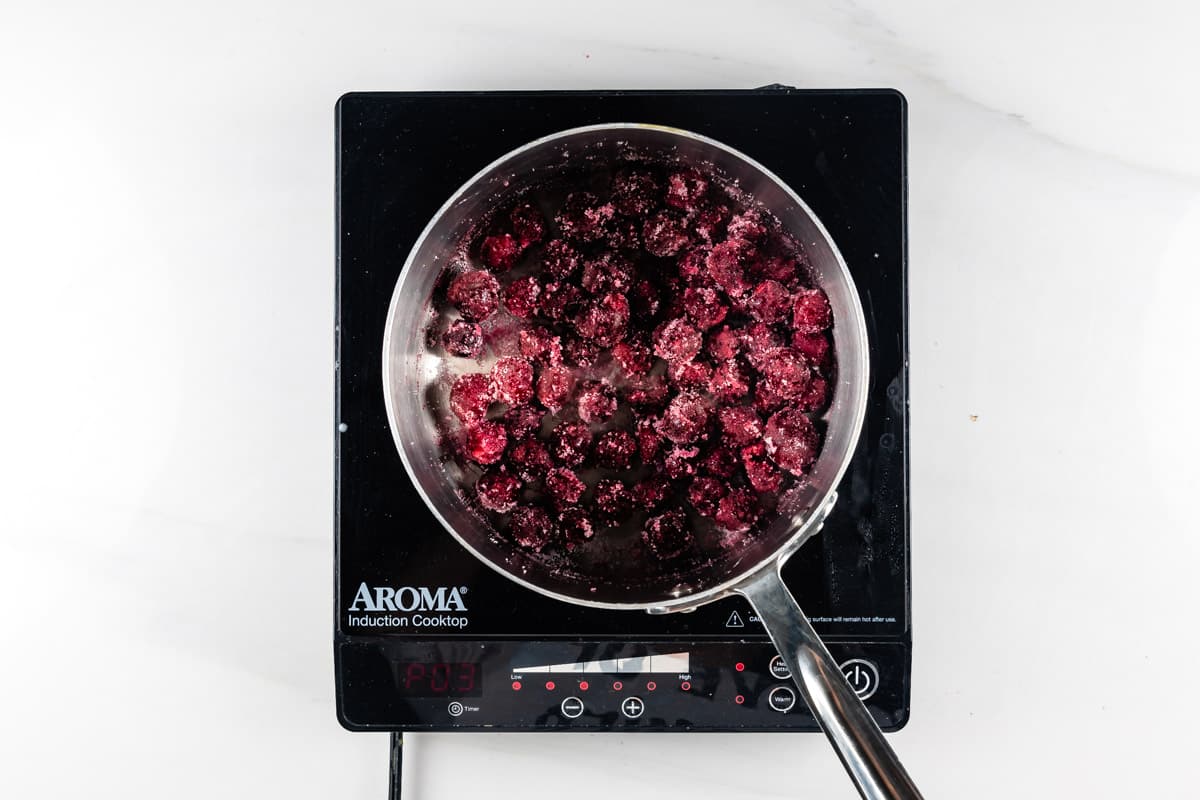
[(522, 422), (540, 346), (693, 267), (555, 386), (605, 322), (711, 221), (652, 492), (531, 527), (634, 192), (685, 189), (782, 269), (521, 297), (811, 312), (730, 381), (679, 462), (689, 374), (615, 449), (685, 419), (581, 352), (748, 225), (770, 302), (724, 344), (486, 441), (647, 392), (737, 511), (643, 300), (476, 294), (512, 380), (470, 396), (667, 535), (648, 439), (530, 460), (664, 234), (721, 462), (740, 425), (759, 340), (633, 358), (791, 440), (559, 259), (583, 217), (612, 500), (623, 234), (576, 526), (727, 265), (704, 306), (500, 252), (560, 300), (704, 494), (609, 272), (677, 340), (816, 396), (785, 373), (814, 347), (528, 224), (597, 402), (762, 474), (463, 339), (564, 486), (497, 490), (571, 442)]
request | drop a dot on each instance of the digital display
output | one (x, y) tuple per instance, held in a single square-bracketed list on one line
[(439, 679)]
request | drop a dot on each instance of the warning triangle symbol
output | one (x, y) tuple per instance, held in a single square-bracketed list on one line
[(734, 621)]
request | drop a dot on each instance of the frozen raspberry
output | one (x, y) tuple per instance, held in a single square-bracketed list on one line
[(610, 272), (500, 252), (704, 306), (648, 439), (605, 322), (770, 302), (721, 462), (816, 396), (814, 347), (470, 396), (582, 352), (528, 224), (476, 294), (782, 269), (555, 386), (564, 486), (678, 340), (724, 344), (685, 419), (560, 301), (737, 511), (785, 373), (748, 225), (583, 217), (522, 422), (615, 449), (512, 380), (704, 494), (597, 402), (576, 526), (559, 259), (530, 460), (664, 234), (531, 527), (540, 346), (647, 392), (727, 265), (711, 221), (667, 535), (810, 312), (623, 234), (740, 425), (680, 462), (486, 441), (651, 493), (730, 381), (762, 474), (521, 297), (758, 341), (791, 440), (686, 189), (693, 267), (634, 192), (463, 339), (571, 442), (633, 358), (644, 301), (497, 490), (690, 374), (612, 500)]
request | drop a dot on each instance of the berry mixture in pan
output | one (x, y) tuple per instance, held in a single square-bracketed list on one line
[(644, 351)]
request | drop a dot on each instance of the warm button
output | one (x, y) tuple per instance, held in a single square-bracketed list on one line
[(572, 707), (782, 698), (632, 707)]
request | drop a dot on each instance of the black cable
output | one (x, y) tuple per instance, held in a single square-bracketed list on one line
[(396, 766)]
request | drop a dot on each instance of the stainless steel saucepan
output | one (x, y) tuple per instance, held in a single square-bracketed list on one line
[(416, 396)]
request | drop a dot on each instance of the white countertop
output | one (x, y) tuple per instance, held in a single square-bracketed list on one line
[(167, 308)]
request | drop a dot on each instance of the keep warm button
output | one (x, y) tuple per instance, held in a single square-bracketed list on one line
[(862, 675)]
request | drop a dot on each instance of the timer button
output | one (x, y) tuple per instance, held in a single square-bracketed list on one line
[(632, 707), (779, 668), (782, 698), (571, 708), (455, 709)]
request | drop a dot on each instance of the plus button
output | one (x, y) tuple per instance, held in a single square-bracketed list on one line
[(632, 707)]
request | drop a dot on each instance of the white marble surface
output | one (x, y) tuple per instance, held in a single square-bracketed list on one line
[(167, 213)]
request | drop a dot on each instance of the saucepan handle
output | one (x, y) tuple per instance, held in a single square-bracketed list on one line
[(858, 741)]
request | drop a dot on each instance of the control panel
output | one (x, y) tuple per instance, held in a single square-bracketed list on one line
[(596, 686)]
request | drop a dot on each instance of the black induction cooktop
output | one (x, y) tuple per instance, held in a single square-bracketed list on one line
[(427, 637)]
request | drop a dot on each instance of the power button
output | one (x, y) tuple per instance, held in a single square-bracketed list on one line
[(862, 675)]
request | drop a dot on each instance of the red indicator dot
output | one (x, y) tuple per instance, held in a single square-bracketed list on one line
[(516, 686), (739, 699), (651, 686), (686, 686), (740, 667), (583, 686), (550, 685), (618, 686)]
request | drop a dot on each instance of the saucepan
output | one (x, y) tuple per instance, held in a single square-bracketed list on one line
[(413, 378)]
